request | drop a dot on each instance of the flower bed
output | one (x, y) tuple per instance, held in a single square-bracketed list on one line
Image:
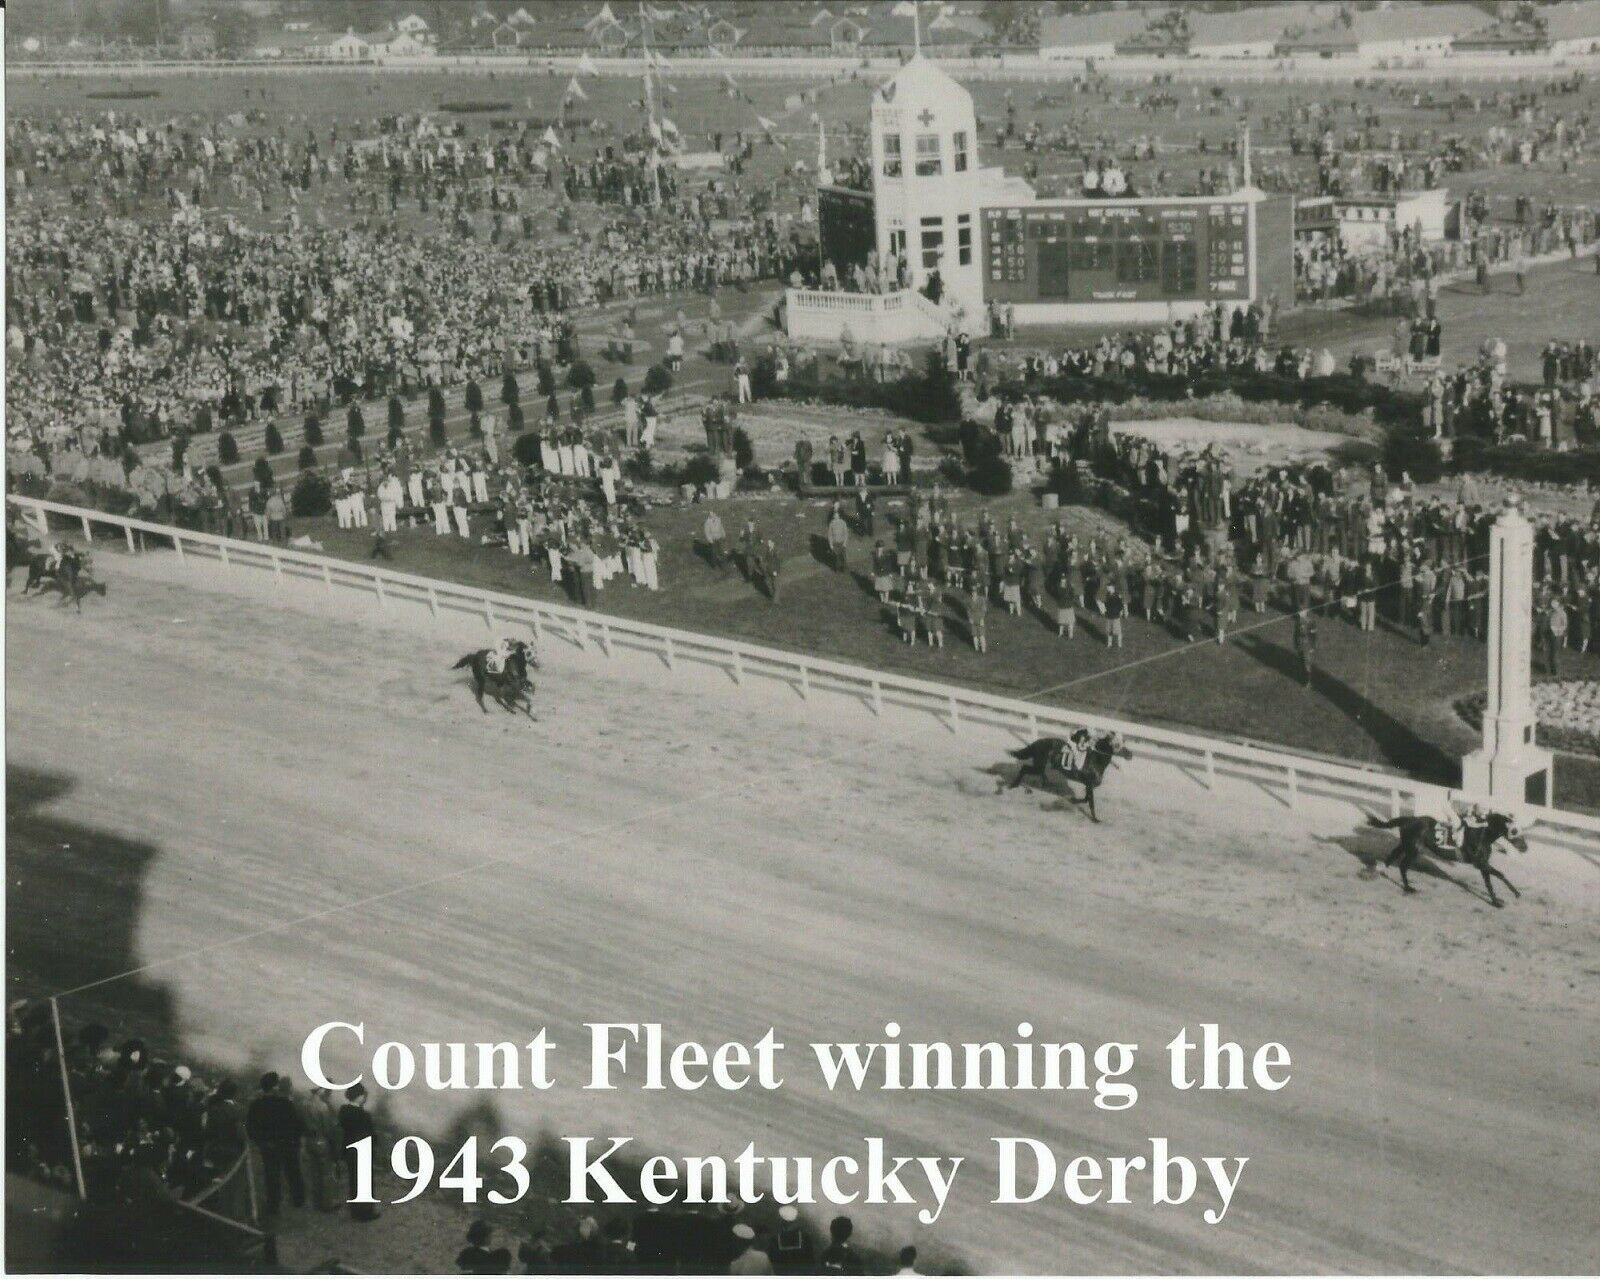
[(1567, 711)]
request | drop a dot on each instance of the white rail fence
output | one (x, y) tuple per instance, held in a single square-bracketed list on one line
[(1285, 775)]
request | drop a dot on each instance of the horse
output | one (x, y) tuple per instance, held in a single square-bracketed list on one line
[(70, 575), (511, 687), (1420, 835), (1048, 752), (19, 548)]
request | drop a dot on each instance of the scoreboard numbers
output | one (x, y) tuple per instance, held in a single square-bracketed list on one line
[(1107, 251)]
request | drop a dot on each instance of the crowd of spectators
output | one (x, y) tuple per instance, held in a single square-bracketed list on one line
[(152, 1130), (194, 278)]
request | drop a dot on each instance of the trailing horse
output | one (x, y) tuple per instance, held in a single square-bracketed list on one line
[(67, 570), (511, 686), (1419, 835), (1057, 753)]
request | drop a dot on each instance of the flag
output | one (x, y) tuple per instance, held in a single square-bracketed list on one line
[(668, 127), (769, 125), (550, 138), (586, 66), (575, 90)]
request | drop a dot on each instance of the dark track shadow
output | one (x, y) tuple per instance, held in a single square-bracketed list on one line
[(1400, 746)]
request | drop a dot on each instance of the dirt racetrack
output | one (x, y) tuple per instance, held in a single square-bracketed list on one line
[(285, 813)]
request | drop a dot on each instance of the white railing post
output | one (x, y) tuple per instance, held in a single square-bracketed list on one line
[(955, 715), (738, 667), (277, 569), (327, 578), (1294, 788), (88, 532), (132, 549), (605, 636), (805, 682), (488, 612), (671, 665), (223, 551), (1211, 770), (433, 601), (877, 697), (383, 600), (177, 544)]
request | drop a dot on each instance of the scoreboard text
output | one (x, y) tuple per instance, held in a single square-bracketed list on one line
[(1105, 251)]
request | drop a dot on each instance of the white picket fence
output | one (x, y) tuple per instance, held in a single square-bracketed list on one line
[(1285, 774)]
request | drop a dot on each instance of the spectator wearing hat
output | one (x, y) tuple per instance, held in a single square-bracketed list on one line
[(839, 1258), (749, 1260), (908, 1261), (354, 1124), (477, 1258), (791, 1249), (275, 1128)]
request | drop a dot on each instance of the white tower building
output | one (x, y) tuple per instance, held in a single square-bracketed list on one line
[(1501, 768), (926, 183)]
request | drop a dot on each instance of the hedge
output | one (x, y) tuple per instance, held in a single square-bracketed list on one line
[(227, 448), (1524, 462), (930, 396), (311, 496)]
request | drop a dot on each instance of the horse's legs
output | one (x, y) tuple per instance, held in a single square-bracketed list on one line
[(1405, 864), (1027, 767), (1490, 870), (477, 689), (1088, 796)]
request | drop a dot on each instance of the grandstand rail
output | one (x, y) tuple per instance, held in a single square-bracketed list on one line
[(1284, 774)]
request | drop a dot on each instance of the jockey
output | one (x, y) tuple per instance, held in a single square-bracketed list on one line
[(58, 553), (1077, 750), (1450, 827), (499, 655), (1474, 820)]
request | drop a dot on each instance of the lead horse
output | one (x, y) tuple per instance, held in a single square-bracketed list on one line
[(1055, 752), (510, 687), (1419, 835)]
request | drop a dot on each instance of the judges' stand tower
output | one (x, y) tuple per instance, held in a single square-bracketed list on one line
[(927, 193), (1509, 768)]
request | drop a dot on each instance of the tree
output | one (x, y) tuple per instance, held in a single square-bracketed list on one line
[(311, 496), (227, 448), (308, 458), (619, 391), (313, 430), (262, 471), (657, 380), (273, 439)]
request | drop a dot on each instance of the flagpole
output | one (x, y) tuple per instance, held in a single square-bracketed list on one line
[(650, 107)]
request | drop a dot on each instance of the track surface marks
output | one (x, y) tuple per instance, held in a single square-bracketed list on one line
[(190, 770)]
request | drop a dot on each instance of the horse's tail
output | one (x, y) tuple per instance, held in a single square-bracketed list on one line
[(1021, 753), (464, 662), (1393, 823)]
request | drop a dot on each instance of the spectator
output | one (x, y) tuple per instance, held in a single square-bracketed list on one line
[(277, 1130)]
